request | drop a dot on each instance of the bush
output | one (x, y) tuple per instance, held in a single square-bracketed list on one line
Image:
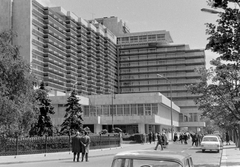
[(139, 138), (104, 131), (117, 130)]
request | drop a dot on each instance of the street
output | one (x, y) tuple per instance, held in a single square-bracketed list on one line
[(207, 159)]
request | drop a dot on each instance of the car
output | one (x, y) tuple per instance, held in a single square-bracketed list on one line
[(152, 158), (211, 142)]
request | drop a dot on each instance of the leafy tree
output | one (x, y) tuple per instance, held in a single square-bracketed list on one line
[(219, 88), (73, 117), (44, 124), (17, 103)]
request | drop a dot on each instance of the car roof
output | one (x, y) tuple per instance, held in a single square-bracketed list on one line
[(211, 135), (154, 155)]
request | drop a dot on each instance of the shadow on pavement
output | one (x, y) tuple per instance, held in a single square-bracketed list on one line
[(230, 147), (210, 152), (206, 165), (232, 164), (197, 148)]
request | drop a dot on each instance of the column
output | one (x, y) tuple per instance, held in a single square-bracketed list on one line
[(141, 128), (97, 128)]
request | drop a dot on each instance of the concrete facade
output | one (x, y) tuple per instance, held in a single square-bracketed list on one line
[(148, 111)]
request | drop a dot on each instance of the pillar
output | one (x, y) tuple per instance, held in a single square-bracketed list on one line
[(97, 128), (147, 128), (141, 128)]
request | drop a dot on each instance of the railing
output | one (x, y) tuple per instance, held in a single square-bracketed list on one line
[(36, 145)]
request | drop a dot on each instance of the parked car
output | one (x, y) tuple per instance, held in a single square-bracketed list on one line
[(212, 143), (152, 158)]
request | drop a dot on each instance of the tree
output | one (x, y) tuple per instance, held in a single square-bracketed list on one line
[(44, 124), (219, 88), (73, 117), (17, 103)]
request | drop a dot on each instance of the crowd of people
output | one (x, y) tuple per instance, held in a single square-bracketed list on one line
[(183, 138), (80, 145)]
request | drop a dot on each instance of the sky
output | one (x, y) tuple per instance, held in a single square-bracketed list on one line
[(182, 18)]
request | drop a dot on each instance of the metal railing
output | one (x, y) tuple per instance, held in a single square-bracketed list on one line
[(36, 145)]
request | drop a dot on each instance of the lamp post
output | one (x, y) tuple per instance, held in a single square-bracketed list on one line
[(171, 103), (113, 97), (210, 11)]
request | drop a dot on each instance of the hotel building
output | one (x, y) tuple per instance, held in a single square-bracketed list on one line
[(101, 57), (148, 63)]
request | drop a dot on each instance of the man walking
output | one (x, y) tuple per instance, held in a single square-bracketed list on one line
[(150, 137), (76, 146), (159, 142), (227, 139)]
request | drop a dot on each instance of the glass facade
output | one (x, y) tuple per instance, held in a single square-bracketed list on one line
[(121, 110), (189, 117)]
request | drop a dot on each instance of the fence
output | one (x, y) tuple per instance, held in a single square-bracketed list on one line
[(36, 145)]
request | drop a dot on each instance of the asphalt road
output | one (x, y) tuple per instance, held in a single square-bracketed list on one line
[(207, 159)]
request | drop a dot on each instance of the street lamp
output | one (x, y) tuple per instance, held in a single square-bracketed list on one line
[(113, 97), (171, 103), (210, 11)]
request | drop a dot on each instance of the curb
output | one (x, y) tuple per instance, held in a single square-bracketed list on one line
[(60, 159)]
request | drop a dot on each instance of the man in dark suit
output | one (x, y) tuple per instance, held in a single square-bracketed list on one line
[(76, 146), (159, 142)]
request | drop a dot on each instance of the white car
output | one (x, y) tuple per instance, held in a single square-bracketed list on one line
[(211, 142), (152, 158)]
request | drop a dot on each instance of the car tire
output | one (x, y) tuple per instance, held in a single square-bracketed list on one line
[(203, 150), (217, 151)]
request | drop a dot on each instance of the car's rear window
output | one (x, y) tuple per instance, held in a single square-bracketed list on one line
[(210, 139)]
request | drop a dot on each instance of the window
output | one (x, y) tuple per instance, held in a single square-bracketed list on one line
[(195, 117), (140, 109), (151, 37), (99, 110), (86, 111), (186, 118), (105, 110), (92, 111), (126, 109), (180, 117), (143, 38), (148, 109), (134, 39), (155, 109), (133, 109), (119, 110)]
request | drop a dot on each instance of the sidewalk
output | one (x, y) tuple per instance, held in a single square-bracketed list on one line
[(4, 160), (230, 156)]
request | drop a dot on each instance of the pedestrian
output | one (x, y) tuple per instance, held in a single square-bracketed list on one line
[(150, 137), (159, 141), (85, 145), (154, 137), (181, 138), (185, 138), (227, 139), (76, 146), (193, 136), (175, 138), (165, 140), (197, 140)]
